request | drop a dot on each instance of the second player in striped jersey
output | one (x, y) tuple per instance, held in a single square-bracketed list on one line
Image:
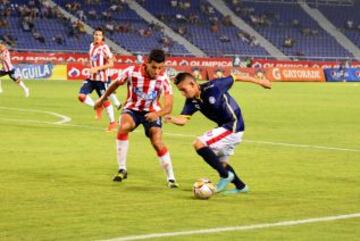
[(145, 83), (101, 59)]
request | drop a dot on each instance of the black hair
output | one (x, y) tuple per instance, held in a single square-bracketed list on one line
[(157, 55), (100, 29), (182, 76)]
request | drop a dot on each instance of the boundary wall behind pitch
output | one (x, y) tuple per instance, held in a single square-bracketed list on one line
[(73, 66)]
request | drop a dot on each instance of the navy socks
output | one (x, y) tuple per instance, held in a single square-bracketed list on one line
[(213, 160)]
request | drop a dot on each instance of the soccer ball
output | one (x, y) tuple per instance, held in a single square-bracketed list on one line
[(203, 189)]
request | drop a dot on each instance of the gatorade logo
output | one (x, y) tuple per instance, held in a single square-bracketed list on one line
[(276, 73)]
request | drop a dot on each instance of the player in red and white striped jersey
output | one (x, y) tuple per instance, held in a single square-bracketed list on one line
[(101, 59), (146, 83), (142, 93), (8, 69)]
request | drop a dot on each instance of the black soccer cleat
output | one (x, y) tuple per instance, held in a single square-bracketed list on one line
[(122, 174)]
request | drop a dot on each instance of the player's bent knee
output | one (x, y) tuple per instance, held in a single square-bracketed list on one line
[(197, 144), (125, 128), (126, 123), (82, 97)]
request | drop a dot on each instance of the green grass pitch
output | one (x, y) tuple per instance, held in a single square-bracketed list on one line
[(55, 180)]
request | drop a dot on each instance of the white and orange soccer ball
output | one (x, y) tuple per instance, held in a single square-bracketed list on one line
[(203, 189)]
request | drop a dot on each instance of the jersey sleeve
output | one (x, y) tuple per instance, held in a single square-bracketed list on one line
[(124, 75), (107, 52), (189, 109), (166, 86), (89, 53), (224, 84)]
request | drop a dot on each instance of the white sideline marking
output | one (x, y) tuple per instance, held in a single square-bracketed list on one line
[(56, 124), (304, 146), (65, 124), (63, 118), (237, 228)]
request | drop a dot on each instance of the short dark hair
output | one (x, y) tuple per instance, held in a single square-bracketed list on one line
[(100, 29), (157, 55), (180, 77)]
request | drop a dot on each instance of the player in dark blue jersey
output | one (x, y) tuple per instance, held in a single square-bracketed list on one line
[(213, 100)]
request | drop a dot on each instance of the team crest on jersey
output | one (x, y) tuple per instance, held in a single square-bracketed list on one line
[(212, 100), (146, 96), (95, 57)]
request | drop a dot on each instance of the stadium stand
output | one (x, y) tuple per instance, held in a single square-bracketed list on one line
[(124, 26), (35, 25), (200, 23), (345, 18), (289, 28), (30, 25)]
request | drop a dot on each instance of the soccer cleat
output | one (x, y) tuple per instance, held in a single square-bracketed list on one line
[(122, 174), (99, 112), (223, 182), (237, 191), (172, 184), (111, 127), (27, 92), (119, 107)]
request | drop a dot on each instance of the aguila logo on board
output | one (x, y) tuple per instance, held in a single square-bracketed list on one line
[(34, 71)]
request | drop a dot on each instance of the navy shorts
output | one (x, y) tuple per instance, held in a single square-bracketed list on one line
[(10, 73), (139, 118), (90, 85)]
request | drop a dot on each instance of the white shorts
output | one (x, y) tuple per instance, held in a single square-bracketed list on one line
[(222, 141)]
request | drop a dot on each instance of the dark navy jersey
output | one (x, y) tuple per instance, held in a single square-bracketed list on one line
[(217, 105)]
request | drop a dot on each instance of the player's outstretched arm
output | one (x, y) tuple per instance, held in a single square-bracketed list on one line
[(168, 104), (177, 120), (113, 86), (264, 82)]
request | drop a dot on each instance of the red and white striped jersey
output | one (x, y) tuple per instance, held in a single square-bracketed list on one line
[(99, 55), (143, 92), (6, 61)]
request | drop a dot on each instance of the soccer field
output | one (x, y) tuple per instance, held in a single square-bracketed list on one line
[(300, 157)]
